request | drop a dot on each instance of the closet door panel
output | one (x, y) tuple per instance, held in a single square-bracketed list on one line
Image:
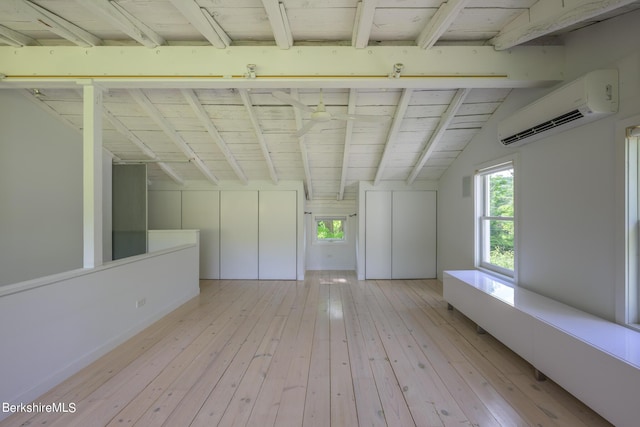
[(414, 235), (378, 235), (277, 235), (201, 211), (239, 235)]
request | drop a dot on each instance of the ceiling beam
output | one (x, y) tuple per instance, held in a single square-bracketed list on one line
[(365, 13), (403, 104), (246, 99), (440, 22), (351, 109), (120, 127), (202, 20), (443, 124), (16, 39), (541, 24), (198, 109), (302, 67), (279, 23), (303, 148), (56, 24), (124, 21), (171, 132)]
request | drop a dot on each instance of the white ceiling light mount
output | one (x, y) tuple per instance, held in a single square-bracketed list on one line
[(397, 69), (251, 71)]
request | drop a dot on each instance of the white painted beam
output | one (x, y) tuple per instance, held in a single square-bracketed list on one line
[(401, 109), (259, 135), (170, 131), (569, 14), (124, 21), (364, 21), (15, 38), (279, 23), (440, 22), (351, 109), (443, 124), (302, 67), (303, 149), (198, 109), (56, 24), (203, 22), (120, 127), (92, 175)]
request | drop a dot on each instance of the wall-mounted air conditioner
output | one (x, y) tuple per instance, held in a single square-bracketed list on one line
[(590, 97)]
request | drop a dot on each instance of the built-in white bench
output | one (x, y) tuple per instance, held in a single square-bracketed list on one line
[(595, 360)]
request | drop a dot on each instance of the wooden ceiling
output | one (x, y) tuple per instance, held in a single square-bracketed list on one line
[(181, 94)]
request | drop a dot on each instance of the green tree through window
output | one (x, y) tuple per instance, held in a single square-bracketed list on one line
[(330, 228), (496, 226)]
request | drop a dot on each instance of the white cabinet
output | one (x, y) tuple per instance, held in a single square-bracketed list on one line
[(413, 242), (239, 235), (378, 235), (400, 234), (277, 236), (201, 211)]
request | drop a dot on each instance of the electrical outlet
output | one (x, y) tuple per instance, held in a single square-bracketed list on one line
[(141, 302)]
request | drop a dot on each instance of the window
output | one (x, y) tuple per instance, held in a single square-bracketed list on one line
[(495, 210), (330, 229), (631, 315)]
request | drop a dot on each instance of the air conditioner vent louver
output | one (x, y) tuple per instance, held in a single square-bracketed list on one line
[(542, 127), (588, 98)]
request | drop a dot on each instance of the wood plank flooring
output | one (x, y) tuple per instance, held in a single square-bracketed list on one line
[(329, 351)]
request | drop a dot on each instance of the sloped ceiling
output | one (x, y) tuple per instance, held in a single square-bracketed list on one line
[(188, 84)]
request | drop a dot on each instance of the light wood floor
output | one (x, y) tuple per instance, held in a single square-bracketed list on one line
[(331, 350)]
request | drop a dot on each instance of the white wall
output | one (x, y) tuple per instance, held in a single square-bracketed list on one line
[(40, 192), (331, 255), (566, 192), (54, 326)]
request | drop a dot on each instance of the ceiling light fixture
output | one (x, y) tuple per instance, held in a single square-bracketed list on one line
[(397, 69), (251, 71)]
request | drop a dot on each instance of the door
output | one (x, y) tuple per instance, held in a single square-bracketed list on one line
[(239, 235), (378, 235), (277, 236), (413, 243)]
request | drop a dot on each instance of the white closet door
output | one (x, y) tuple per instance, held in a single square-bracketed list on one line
[(201, 211), (414, 235), (238, 234), (277, 235), (378, 235)]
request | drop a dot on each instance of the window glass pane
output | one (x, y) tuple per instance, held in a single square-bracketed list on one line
[(500, 187), (330, 229), (501, 251)]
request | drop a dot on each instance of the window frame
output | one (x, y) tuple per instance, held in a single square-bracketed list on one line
[(482, 217), (320, 218), (629, 313)]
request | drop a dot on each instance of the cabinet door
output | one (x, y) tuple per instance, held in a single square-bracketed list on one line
[(201, 211), (378, 235), (238, 234), (277, 235), (413, 245)]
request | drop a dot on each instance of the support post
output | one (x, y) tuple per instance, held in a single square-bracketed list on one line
[(92, 175)]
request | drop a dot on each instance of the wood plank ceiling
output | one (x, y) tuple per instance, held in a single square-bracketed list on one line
[(230, 129)]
